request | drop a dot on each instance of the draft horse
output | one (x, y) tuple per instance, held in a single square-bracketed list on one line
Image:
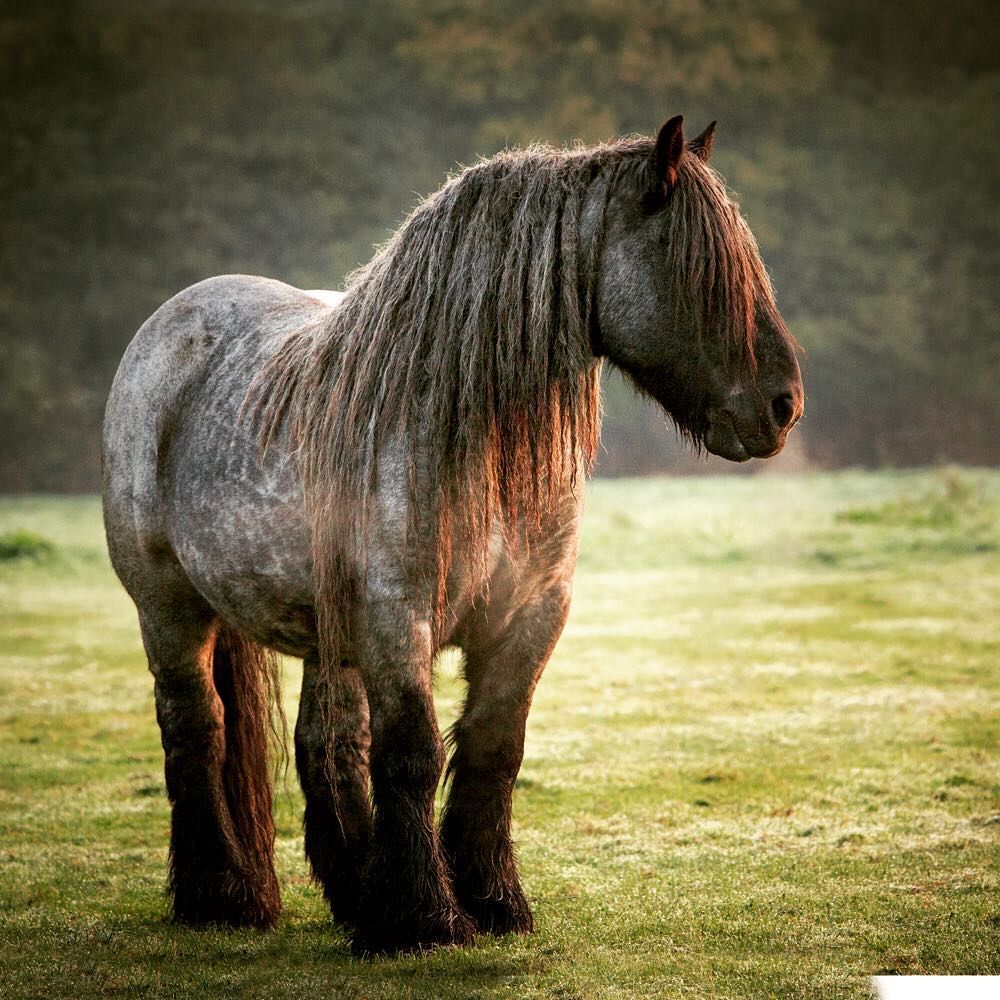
[(361, 479)]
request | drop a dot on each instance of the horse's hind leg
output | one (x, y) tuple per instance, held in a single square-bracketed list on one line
[(502, 669), (222, 834), (331, 754)]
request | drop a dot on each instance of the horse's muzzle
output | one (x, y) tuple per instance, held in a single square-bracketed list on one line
[(753, 424)]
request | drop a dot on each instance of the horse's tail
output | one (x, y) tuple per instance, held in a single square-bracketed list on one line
[(246, 678)]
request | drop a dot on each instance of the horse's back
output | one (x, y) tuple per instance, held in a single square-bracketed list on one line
[(326, 296)]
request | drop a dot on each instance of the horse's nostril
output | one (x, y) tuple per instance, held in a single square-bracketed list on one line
[(783, 407)]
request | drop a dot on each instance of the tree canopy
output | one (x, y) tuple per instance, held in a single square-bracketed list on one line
[(146, 147)]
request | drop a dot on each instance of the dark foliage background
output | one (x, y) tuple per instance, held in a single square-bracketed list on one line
[(143, 147)]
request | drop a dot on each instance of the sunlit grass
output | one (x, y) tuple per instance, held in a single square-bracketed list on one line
[(762, 762)]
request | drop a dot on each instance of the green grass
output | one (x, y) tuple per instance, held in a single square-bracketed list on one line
[(762, 762)]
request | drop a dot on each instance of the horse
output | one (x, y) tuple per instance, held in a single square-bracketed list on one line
[(362, 479)]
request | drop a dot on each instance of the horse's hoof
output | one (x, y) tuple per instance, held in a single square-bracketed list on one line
[(452, 928), (233, 901), (510, 915), (502, 910), (344, 913), (344, 903), (497, 905)]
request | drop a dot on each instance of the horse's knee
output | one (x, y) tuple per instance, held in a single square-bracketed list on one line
[(407, 750), (486, 753), (413, 771)]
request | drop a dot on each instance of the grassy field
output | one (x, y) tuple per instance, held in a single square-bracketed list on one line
[(762, 762)]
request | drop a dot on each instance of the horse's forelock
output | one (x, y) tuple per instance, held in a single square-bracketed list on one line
[(714, 268)]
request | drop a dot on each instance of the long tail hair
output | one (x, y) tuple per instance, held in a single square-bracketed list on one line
[(247, 681)]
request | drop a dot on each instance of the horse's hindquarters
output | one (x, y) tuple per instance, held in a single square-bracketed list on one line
[(184, 490)]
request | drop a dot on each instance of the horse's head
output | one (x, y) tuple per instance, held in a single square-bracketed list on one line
[(685, 307)]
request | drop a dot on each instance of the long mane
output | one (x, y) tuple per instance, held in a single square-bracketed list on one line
[(465, 348)]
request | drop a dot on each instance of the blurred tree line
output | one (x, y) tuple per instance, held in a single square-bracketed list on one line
[(143, 147)]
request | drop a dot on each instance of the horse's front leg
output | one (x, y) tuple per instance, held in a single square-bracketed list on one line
[(502, 668), (407, 902)]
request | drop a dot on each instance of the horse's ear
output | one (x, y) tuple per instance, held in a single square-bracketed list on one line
[(701, 145), (669, 150)]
